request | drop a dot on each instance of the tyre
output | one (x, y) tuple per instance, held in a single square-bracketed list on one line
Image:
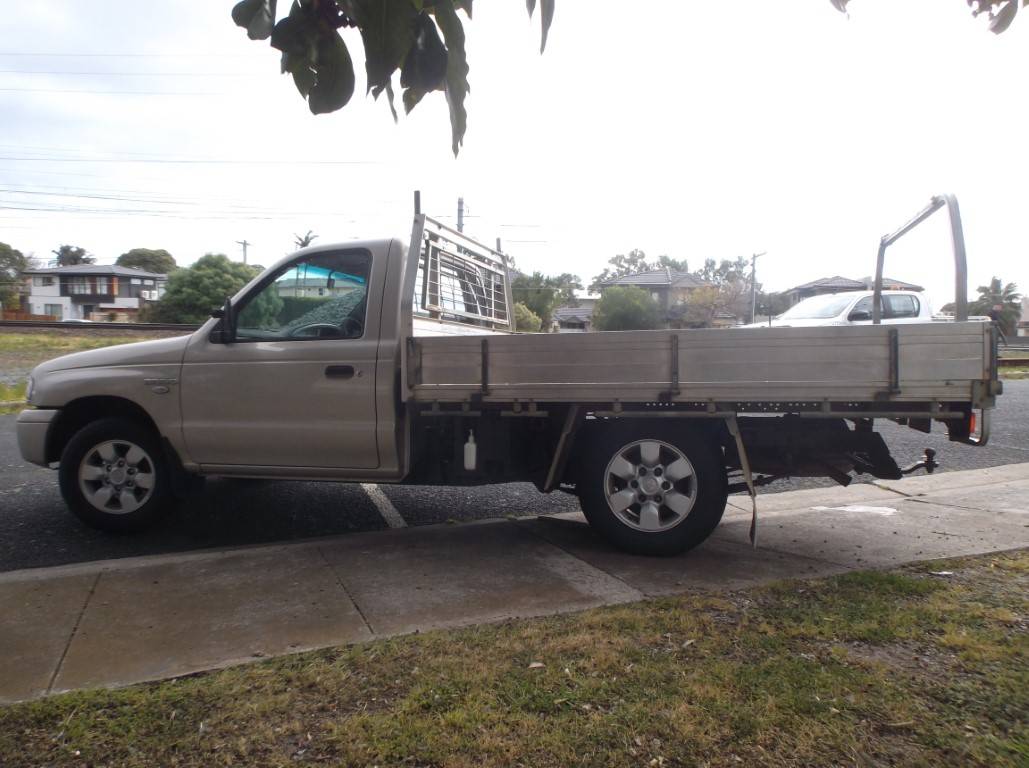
[(114, 476), (651, 490)]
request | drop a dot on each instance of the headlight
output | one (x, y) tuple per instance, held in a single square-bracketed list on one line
[(28, 391)]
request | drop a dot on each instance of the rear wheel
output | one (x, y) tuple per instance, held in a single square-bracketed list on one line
[(653, 491), (114, 476)]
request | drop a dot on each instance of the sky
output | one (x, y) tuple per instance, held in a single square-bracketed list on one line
[(696, 130)]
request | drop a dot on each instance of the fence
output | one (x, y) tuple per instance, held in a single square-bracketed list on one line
[(14, 314)]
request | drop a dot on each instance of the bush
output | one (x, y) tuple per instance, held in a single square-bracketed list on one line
[(526, 319), (626, 308)]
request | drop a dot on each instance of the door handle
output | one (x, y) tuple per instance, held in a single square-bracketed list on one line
[(339, 371)]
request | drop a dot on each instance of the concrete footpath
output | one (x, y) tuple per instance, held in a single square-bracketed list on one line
[(119, 622)]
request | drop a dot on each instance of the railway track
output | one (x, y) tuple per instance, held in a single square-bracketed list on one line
[(87, 327)]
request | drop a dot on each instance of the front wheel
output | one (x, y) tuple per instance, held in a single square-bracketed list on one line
[(653, 491), (114, 476)]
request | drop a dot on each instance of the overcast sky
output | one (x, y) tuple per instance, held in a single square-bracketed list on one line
[(697, 130)]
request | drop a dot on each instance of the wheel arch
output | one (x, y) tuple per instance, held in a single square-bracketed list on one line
[(80, 412)]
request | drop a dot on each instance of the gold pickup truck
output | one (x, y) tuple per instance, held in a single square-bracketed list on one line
[(388, 362)]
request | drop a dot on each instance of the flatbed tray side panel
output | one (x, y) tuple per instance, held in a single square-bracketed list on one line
[(936, 361)]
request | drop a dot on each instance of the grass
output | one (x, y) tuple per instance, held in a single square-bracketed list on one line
[(52, 345), (872, 668), (21, 352)]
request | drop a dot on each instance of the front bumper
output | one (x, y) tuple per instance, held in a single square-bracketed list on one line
[(33, 426)]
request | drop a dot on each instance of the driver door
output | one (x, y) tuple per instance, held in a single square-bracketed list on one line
[(296, 388)]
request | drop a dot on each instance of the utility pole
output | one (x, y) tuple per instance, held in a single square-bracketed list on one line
[(244, 243), (753, 284), (460, 214)]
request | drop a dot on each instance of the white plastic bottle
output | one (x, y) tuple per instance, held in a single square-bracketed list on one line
[(470, 451)]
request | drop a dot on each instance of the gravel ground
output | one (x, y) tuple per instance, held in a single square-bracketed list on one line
[(36, 530)]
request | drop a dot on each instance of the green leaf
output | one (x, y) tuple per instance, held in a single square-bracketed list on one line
[(334, 73), (295, 39), (546, 17), (304, 78), (425, 67), (1000, 19), (457, 70), (388, 88), (392, 106), (256, 16), (411, 98), (387, 30)]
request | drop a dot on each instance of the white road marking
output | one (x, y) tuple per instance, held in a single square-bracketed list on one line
[(384, 505), (884, 511)]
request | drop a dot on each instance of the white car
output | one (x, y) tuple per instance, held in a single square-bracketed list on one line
[(853, 308)]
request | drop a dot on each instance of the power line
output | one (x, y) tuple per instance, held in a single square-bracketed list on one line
[(130, 74), (111, 93), (187, 161), (188, 54)]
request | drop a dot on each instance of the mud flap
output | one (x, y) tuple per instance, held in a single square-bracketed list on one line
[(734, 430)]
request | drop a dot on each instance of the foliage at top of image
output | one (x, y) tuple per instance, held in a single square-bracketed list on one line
[(149, 260), (999, 13), (424, 39)]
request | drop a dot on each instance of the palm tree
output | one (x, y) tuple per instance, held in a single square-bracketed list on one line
[(303, 241), (1004, 296)]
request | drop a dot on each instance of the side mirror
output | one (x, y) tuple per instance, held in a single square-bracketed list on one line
[(226, 332), (859, 314)]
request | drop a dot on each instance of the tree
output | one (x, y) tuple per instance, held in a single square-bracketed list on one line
[(999, 12), (700, 311), (626, 308), (633, 263), (12, 263), (159, 261), (424, 39), (772, 304), (1005, 296), (525, 319), (192, 293), (732, 280), (618, 266), (540, 293), (71, 255), (302, 241)]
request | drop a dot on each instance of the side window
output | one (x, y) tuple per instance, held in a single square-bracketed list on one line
[(899, 305), (865, 305), (322, 297)]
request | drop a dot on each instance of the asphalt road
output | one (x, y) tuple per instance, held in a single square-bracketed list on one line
[(36, 530)]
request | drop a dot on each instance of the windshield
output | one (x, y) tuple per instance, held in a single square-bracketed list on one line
[(818, 307)]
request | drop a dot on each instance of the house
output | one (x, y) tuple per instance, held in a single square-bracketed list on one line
[(666, 286), (837, 284), (577, 319), (90, 291)]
